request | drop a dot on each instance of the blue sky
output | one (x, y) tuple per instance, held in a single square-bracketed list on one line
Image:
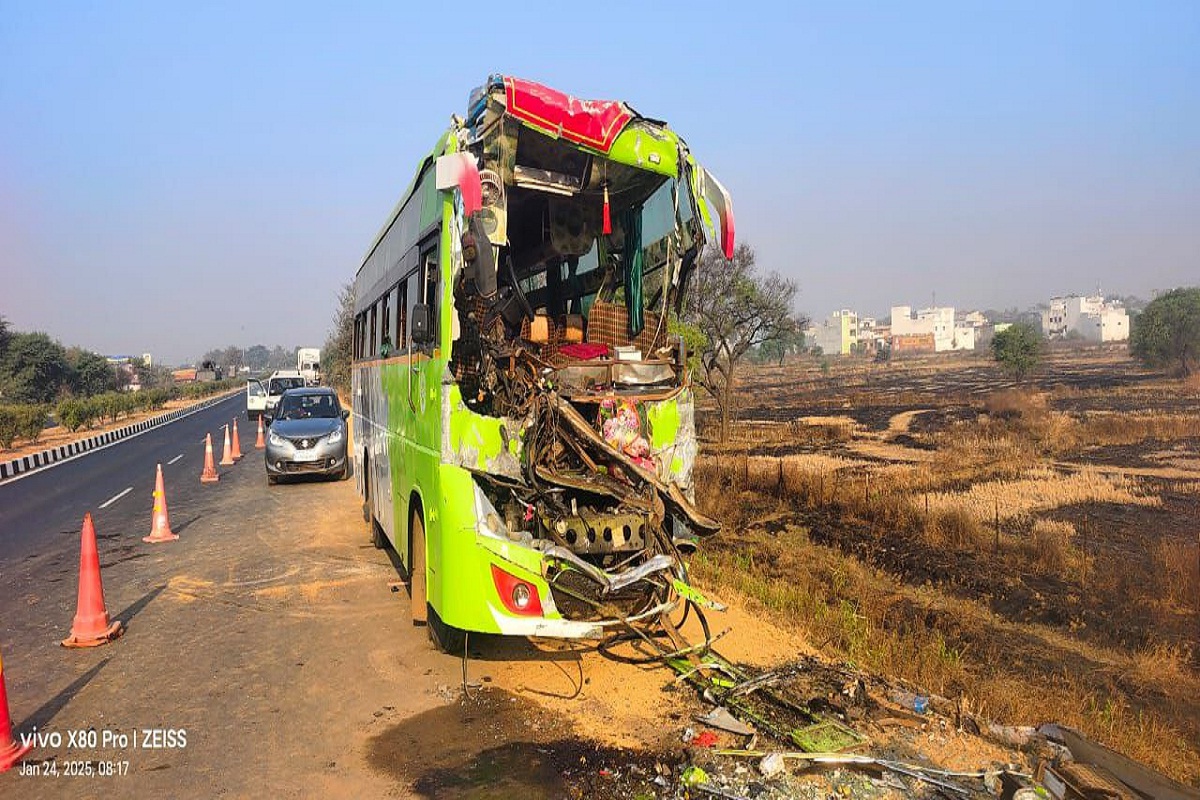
[(175, 177)]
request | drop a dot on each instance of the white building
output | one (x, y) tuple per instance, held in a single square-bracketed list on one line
[(1090, 317), (937, 321)]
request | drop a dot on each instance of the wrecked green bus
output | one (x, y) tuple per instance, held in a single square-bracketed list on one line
[(524, 433)]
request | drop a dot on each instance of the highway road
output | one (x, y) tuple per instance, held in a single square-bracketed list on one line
[(267, 632), (36, 507), (266, 653)]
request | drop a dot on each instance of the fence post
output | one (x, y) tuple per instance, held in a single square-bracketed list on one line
[(996, 500)]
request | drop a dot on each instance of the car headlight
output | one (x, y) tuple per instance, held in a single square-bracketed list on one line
[(335, 437), (276, 440)]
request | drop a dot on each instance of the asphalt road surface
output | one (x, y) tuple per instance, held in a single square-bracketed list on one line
[(264, 653)]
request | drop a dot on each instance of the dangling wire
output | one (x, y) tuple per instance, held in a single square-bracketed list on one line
[(466, 649)]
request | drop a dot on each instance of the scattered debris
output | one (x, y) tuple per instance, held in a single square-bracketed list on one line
[(1089, 770), (720, 717), (771, 765)]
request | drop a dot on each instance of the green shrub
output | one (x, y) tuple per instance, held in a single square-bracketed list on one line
[(75, 413), (32, 421), (8, 426), (93, 410)]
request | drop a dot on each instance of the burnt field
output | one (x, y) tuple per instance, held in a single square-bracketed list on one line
[(1032, 549)]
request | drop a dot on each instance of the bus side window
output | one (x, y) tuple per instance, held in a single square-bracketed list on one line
[(412, 297), (401, 314), (385, 344), (372, 327), (429, 295)]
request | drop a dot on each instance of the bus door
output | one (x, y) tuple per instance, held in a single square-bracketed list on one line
[(385, 441), (420, 437)]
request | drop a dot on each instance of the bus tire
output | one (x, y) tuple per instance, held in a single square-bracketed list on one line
[(366, 493), (447, 638), (416, 564)]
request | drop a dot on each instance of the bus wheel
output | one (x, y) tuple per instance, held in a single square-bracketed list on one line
[(416, 565), (447, 638)]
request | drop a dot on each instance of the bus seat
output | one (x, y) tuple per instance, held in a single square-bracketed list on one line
[(608, 323)]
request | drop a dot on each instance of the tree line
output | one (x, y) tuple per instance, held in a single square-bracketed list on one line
[(41, 381), (259, 358)]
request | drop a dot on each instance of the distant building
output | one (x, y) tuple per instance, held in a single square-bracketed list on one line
[(937, 322), (837, 334), (907, 343), (128, 378), (1090, 318)]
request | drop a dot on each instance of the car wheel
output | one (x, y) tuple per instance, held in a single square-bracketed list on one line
[(345, 473), (272, 479)]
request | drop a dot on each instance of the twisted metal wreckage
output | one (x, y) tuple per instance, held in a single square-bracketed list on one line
[(577, 226)]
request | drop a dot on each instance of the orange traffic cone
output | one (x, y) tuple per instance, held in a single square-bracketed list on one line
[(237, 442), (261, 444), (227, 455), (160, 528), (10, 750), (209, 475), (91, 626)]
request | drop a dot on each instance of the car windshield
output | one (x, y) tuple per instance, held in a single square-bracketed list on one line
[(304, 406), (281, 385)]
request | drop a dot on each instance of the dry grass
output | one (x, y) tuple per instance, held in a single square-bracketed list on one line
[(1166, 668), (1178, 566), (1102, 429), (1050, 547), (954, 528), (854, 612), (1145, 700), (1015, 403), (1042, 489)]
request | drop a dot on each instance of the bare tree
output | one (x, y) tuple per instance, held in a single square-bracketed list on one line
[(736, 309), (336, 355)]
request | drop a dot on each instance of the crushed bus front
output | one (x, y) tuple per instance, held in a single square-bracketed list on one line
[(567, 413)]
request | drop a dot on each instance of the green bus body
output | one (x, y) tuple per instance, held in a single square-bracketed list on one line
[(423, 454)]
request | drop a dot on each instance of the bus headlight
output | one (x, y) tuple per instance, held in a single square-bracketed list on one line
[(487, 520)]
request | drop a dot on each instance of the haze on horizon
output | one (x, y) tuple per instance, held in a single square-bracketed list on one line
[(179, 178)]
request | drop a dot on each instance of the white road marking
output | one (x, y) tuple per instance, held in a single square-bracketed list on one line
[(173, 460), (115, 498)]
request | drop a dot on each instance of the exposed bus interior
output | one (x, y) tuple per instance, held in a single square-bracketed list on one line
[(570, 272)]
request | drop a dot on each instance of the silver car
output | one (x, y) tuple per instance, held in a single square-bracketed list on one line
[(307, 435)]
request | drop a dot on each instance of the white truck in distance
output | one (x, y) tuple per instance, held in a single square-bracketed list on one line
[(308, 363)]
